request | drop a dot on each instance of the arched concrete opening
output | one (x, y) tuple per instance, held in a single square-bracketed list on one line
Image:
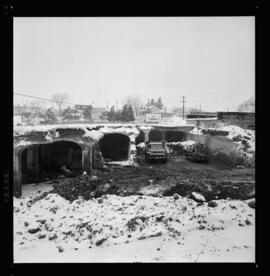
[(115, 147), (140, 138), (156, 135), (41, 160), (175, 136)]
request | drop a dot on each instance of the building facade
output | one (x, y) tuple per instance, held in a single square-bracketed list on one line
[(244, 120)]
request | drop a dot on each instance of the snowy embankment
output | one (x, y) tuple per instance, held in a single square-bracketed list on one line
[(243, 138), (52, 227)]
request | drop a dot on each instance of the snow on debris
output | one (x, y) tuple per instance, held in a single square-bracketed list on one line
[(176, 121), (246, 137), (122, 129), (196, 130), (115, 219), (145, 127), (93, 134), (187, 145), (25, 130), (141, 145)]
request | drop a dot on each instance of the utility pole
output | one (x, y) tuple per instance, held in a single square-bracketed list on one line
[(183, 101), (148, 105)]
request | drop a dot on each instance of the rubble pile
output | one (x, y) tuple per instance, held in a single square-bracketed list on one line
[(114, 219), (83, 186), (220, 189), (245, 138), (182, 147)]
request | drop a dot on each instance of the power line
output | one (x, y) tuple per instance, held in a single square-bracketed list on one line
[(40, 98)]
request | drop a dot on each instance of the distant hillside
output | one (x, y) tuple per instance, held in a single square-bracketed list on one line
[(247, 106)]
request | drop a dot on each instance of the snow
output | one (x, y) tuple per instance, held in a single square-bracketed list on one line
[(93, 134), (136, 224), (51, 132), (124, 163), (185, 144), (203, 119), (198, 196), (188, 143), (175, 120), (133, 148), (23, 143), (125, 130), (243, 134), (141, 145), (196, 130), (145, 127)]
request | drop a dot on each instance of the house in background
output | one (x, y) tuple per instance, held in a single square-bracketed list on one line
[(153, 114), (203, 119), (97, 113)]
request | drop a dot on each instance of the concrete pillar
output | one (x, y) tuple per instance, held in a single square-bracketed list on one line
[(17, 174), (146, 135), (86, 159), (163, 135), (33, 159)]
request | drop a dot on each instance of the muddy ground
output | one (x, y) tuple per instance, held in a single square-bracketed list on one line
[(212, 180)]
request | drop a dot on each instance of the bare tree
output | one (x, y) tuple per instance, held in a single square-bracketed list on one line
[(134, 101), (23, 110), (59, 99)]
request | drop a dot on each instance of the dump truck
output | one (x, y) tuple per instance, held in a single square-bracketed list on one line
[(156, 151), (198, 153)]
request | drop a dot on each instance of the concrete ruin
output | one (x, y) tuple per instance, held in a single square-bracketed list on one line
[(42, 150)]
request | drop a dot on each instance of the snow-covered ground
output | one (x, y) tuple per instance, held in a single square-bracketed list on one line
[(130, 229)]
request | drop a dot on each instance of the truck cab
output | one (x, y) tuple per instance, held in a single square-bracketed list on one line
[(156, 151)]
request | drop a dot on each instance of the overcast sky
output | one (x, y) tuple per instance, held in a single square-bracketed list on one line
[(210, 60)]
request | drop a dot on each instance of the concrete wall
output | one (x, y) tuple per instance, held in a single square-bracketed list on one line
[(204, 123)]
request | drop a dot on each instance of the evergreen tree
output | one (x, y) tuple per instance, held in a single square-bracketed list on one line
[(131, 114), (152, 102), (51, 117), (125, 114), (67, 114), (118, 116), (159, 103), (112, 114), (87, 112)]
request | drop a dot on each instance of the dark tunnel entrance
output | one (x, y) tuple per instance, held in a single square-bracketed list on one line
[(140, 138), (155, 135), (114, 147), (46, 160), (175, 136)]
